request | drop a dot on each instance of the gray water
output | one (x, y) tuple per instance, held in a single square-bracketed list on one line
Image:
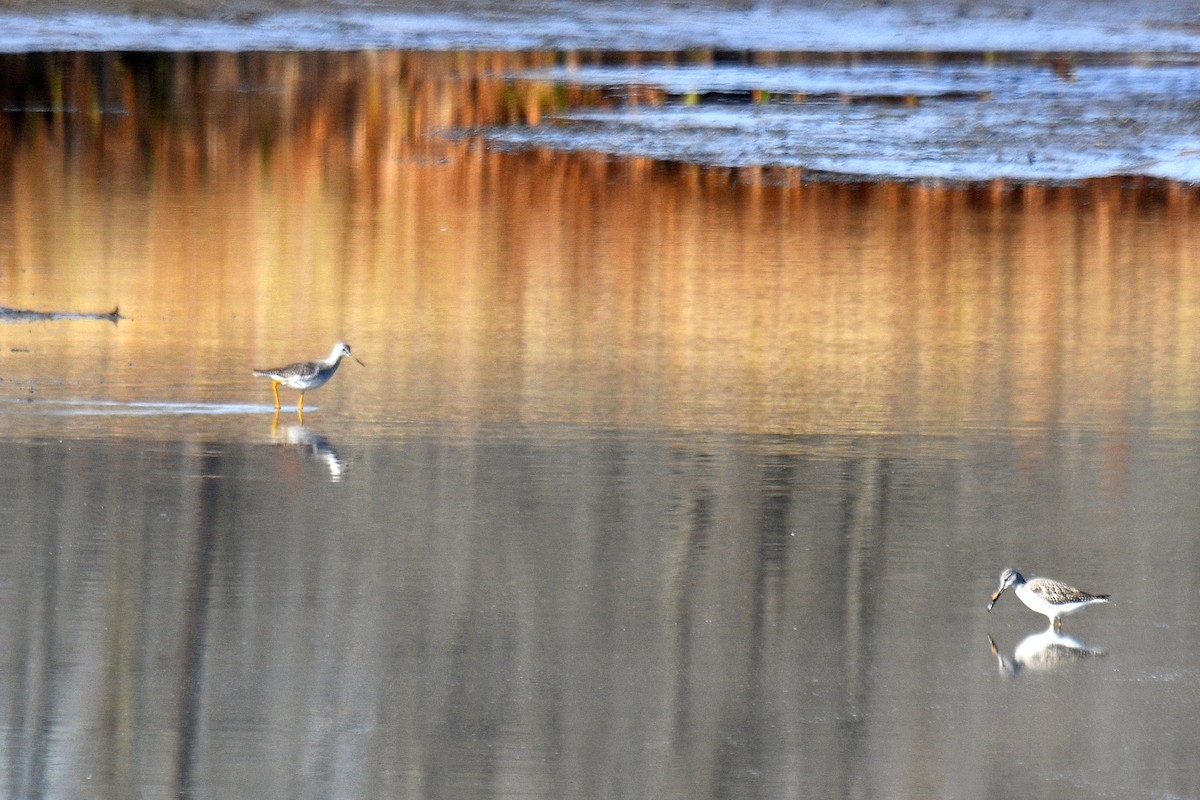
[(656, 482), (592, 614)]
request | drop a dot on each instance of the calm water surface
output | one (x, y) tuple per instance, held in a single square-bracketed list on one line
[(659, 481)]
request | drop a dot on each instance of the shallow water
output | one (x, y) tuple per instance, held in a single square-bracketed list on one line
[(658, 481)]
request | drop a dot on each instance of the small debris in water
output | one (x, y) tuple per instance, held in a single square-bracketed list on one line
[(8, 314)]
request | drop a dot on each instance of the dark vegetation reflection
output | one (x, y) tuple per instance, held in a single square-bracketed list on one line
[(324, 179)]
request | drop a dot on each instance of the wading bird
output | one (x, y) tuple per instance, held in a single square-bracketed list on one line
[(305, 375), (1051, 598)]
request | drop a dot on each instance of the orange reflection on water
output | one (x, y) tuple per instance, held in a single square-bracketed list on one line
[(244, 209)]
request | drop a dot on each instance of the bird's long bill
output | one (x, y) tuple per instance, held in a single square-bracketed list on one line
[(356, 358), (995, 597)]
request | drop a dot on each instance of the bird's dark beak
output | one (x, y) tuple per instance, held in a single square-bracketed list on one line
[(359, 362)]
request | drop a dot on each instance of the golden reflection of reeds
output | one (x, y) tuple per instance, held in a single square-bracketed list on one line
[(277, 199)]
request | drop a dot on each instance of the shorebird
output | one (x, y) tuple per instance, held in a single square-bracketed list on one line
[(1051, 598), (305, 375)]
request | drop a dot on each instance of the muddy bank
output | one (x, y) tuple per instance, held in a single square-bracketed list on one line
[(1163, 27), (888, 118)]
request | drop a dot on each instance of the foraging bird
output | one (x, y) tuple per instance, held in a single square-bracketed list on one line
[(305, 375), (1051, 598)]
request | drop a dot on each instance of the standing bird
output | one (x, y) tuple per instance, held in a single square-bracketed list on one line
[(1046, 596), (305, 375)]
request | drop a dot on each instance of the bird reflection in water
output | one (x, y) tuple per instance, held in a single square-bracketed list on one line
[(319, 448), (1042, 652)]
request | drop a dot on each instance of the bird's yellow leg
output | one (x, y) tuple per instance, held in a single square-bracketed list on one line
[(275, 389), (300, 407), (275, 421)]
